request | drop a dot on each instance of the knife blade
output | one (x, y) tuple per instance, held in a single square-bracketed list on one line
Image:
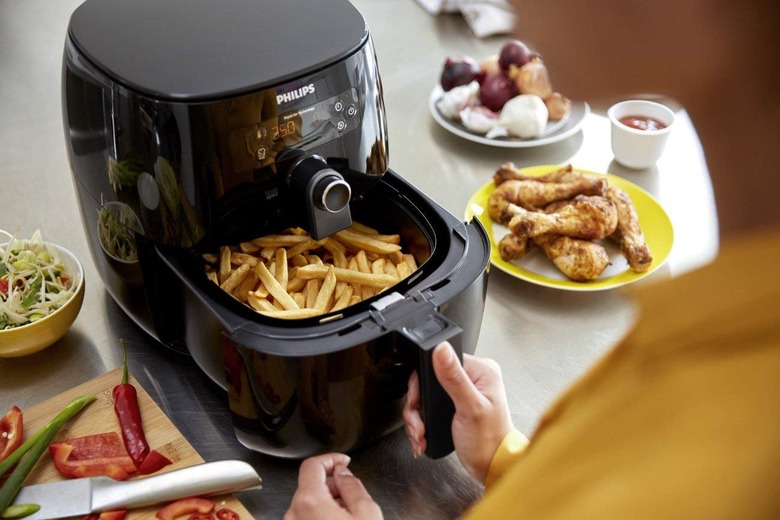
[(97, 494)]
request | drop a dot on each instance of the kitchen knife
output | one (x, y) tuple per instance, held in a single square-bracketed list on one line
[(92, 495)]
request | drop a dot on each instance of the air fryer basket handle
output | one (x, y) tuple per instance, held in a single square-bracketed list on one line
[(438, 409)]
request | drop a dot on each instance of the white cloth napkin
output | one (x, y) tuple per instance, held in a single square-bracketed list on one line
[(484, 17)]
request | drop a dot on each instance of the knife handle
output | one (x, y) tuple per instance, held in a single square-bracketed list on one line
[(212, 478)]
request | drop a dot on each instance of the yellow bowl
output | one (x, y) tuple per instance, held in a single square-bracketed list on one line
[(36, 336)]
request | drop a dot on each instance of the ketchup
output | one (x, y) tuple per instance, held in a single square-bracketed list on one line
[(642, 122)]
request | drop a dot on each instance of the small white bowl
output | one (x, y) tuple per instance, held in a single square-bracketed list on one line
[(635, 148), (36, 336)]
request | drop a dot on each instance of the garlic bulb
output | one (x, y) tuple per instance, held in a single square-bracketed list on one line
[(479, 119), (524, 116), (458, 98)]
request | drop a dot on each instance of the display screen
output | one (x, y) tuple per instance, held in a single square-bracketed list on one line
[(257, 145)]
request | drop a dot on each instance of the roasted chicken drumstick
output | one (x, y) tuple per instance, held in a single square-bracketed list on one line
[(533, 195), (628, 234), (509, 171), (580, 260), (584, 217)]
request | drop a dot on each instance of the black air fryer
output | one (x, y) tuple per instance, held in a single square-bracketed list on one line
[(193, 124)]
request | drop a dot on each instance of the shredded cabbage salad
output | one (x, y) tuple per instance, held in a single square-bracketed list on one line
[(33, 282)]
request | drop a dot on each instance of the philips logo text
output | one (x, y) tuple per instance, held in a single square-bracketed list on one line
[(295, 94)]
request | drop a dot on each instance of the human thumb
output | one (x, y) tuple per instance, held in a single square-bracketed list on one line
[(453, 377)]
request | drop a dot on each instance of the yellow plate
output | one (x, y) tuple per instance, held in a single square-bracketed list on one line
[(536, 268)]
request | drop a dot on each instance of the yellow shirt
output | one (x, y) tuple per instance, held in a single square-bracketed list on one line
[(680, 421)]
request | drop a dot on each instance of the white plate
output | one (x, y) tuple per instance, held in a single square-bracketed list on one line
[(555, 131)]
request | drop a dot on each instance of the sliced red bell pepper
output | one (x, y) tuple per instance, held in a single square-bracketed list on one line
[(186, 506), (11, 432), (153, 462), (119, 514), (227, 514), (93, 455), (3, 286)]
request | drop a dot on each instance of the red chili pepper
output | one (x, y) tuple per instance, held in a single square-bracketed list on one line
[(129, 415)]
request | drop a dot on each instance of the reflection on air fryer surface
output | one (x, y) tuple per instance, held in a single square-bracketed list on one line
[(291, 275)]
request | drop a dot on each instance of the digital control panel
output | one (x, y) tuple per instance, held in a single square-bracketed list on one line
[(257, 145)]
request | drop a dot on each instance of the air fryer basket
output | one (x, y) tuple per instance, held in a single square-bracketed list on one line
[(298, 387)]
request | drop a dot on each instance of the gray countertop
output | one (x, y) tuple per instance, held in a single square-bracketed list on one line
[(543, 338)]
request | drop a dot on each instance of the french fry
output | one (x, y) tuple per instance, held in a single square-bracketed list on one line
[(362, 262), (360, 241), (337, 249), (259, 304), (275, 241), (326, 290), (347, 275), (403, 270), (248, 247), (295, 284), (302, 247), (237, 258), (396, 257), (212, 275), (268, 252), (389, 239), (210, 258), (299, 298), (343, 300), (411, 262), (224, 264), (246, 286), (261, 291), (297, 260), (357, 227), (392, 270), (277, 291), (332, 245), (355, 299), (281, 267), (340, 287), (291, 314), (312, 289), (378, 266), (235, 278)]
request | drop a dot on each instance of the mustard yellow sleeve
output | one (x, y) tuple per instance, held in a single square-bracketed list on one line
[(511, 448)]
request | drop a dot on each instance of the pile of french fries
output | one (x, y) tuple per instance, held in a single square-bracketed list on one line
[(293, 276)]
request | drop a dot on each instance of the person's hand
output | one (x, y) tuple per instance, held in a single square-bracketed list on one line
[(327, 489), (482, 417)]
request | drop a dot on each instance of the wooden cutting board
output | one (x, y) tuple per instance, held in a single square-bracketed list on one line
[(99, 417)]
